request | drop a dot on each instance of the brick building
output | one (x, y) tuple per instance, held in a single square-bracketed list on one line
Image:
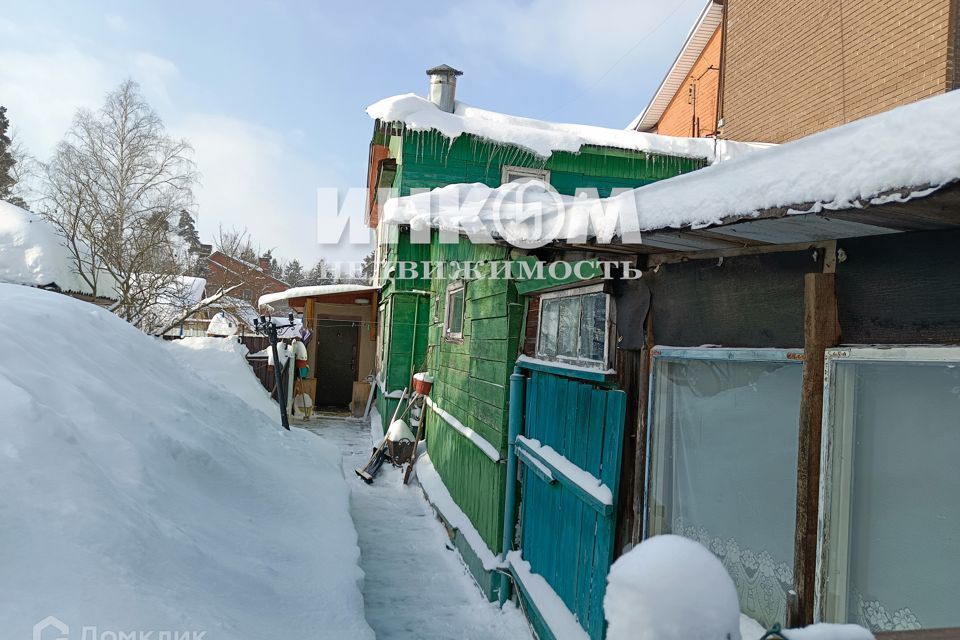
[(226, 271), (791, 69)]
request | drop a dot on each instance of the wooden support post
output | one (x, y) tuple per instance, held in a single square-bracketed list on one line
[(821, 330)]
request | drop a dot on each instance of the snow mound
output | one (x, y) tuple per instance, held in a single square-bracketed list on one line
[(828, 632), (146, 487), (541, 137), (31, 252), (670, 588)]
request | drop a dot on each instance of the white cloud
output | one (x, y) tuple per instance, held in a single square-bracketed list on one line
[(581, 39), (117, 23), (253, 179), (252, 176)]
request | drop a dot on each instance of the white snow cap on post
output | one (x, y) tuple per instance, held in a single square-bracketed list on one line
[(671, 588)]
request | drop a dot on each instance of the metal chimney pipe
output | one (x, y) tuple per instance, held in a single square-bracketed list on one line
[(443, 87)]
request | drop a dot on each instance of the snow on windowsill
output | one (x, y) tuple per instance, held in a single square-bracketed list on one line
[(563, 624), (438, 495), (583, 479)]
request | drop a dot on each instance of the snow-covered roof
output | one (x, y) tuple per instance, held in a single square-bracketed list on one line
[(898, 155), (32, 253), (313, 291), (541, 137), (704, 28)]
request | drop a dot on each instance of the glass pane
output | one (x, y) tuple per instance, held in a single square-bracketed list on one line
[(569, 327), (456, 312), (903, 540), (549, 319), (723, 469), (593, 326)]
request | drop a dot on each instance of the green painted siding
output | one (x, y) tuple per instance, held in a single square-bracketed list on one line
[(472, 384), (406, 317), (472, 375), (430, 160)]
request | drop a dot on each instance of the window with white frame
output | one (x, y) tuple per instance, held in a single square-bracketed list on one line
[(890, 514), (722, 456), (574, 326), (453, 320), (520, 174)]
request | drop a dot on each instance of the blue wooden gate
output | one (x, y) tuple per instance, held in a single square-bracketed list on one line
[(567, 526)]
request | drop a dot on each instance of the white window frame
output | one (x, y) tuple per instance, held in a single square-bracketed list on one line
[(452, 289), (836, 451), (523, 173), (570, 293)]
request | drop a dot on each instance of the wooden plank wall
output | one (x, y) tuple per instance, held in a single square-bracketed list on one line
[(472, 384)]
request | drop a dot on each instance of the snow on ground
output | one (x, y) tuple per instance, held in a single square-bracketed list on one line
[(542, 137), (915, 148), (138, 496), (415, 584)]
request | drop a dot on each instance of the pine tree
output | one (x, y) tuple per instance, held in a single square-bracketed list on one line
[(320, 274), (293, 274), (7, 161), (187, 230), (369, 266)]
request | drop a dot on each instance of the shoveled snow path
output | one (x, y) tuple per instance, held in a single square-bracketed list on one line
[(415, 584)]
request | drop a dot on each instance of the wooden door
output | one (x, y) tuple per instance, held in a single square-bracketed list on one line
[(338, 343)]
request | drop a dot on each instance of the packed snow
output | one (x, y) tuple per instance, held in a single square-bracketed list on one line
[(32, 253), (670, 588), (908, 152), (149, 487), (541, 137), (416, 585)]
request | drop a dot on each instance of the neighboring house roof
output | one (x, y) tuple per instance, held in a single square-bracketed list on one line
[(314, 292), (32, 253), (541, 137), (892, 157), (706, 25), (242, 268)]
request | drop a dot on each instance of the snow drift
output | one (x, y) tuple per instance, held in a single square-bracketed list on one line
[(147, 487)]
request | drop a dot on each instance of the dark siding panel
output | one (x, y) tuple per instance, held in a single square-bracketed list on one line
[(750, 301), (902, 288)]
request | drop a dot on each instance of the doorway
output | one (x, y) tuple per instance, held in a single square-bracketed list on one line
[(337, 355)]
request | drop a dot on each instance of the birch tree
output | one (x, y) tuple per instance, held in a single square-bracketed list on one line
[(115, 188)]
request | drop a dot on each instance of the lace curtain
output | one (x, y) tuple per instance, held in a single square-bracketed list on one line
[(900, 532), (723, 469)]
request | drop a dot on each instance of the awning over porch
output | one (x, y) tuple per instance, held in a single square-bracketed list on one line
[(296, 297)]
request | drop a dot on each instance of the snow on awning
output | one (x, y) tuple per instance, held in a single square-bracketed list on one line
[(314, 292), (544, 138), (896, 156)]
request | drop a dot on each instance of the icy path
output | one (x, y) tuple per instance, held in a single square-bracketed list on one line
[(415, 585)]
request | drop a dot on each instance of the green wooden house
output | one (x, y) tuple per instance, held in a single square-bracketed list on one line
[(469, 333)]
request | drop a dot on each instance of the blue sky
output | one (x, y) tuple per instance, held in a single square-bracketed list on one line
[(272, 94)]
